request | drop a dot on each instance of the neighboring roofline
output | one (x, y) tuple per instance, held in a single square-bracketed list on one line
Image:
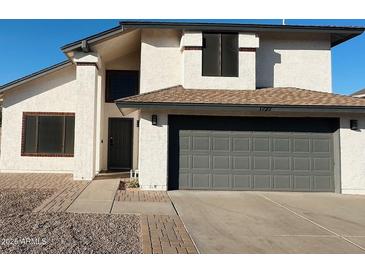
[(240, 107), (359, 92), (35, 75), (124, 25)]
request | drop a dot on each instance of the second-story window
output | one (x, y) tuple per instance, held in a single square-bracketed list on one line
[(220, 54), (120, 84)]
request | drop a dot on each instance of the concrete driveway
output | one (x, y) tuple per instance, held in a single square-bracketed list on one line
[(272, 222)]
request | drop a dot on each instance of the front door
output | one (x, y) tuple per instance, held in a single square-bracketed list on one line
[(120, 143)]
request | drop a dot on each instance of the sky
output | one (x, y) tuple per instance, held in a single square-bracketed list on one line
[(27, 46)]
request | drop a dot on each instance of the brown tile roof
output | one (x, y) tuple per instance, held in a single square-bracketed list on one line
[(267, 96)]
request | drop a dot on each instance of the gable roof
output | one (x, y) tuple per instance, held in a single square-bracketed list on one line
[(338, 34), (360, 92), (35, 75), (178, 96)]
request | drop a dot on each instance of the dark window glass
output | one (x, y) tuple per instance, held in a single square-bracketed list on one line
[(211, 58), (30, 134), (69, 134), (220, 54), (49, 134), (121, 83), (229, 54)]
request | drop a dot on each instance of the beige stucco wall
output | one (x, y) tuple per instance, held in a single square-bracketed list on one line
[(160, 59), (352, 156), (294, 60), (153, 152), (52, 93)]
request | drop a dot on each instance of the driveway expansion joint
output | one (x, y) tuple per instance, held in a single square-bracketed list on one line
[(311, 221)]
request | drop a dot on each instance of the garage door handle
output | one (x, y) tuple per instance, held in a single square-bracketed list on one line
[(111, 142)]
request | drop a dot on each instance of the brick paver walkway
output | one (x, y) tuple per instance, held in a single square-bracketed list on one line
[(34, 180), (141, 196), (62, 199), (164, 234), (64, 187)]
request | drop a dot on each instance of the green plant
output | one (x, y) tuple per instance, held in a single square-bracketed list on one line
[(133, 183)]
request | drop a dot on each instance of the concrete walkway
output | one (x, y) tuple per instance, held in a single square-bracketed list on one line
[(98, 197)]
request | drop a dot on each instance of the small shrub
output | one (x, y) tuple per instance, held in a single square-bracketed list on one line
[(133, 183)]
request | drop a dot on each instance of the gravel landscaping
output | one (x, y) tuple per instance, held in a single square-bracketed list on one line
[(22, 231)]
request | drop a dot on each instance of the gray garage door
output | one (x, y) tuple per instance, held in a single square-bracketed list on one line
[(242, 159)]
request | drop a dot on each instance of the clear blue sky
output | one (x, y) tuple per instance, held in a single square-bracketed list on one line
[(30, 45)]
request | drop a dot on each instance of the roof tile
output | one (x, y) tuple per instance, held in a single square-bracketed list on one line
[(266, 96)]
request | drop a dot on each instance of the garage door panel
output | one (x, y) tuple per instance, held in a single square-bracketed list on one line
[(242, 181), (281, 163), (184, 180), (200, 162), (221, 162), (221, 144), (201, 143), (251, 159), (281, 145), (241, 162), (322, 164), (184, 143), (301, 145), (220, 181), (282, 182), (240, 144), (184, 161), (261, 163), (262, 182), (261, 144), (302, 182), (301, 164), (322, 183), (321, 146), (200, 181)]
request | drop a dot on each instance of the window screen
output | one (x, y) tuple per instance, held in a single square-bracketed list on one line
[(48, 134), (220, 54), (120, 84)]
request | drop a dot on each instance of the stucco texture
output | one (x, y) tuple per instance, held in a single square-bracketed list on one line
[(52, 93), (294, 60)]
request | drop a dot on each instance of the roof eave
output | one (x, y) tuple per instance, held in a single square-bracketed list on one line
[(240, 107), (349, 32), (99, 37), (124, 25), (34, 75)]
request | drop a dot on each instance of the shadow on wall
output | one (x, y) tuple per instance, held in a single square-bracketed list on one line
[(162, 38), (40, 85), (267, 54), (266, 74)]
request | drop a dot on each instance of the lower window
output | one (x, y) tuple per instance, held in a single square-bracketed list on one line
[(48, 134)]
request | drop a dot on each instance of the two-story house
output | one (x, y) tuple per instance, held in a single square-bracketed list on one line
[(192, 106)]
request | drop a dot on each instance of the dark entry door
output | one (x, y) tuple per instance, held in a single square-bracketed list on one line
[(120, 143)]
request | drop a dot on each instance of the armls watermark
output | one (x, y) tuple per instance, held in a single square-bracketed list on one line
[(23, 241)]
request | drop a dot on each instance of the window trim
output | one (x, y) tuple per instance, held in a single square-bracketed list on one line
[(36, 154), (107, 100), (220, 53)]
